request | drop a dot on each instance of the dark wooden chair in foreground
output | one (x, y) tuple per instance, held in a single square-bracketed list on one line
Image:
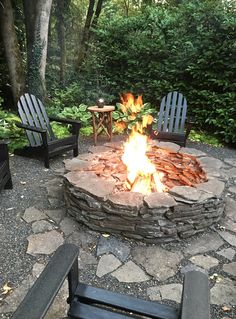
[(39, 131), (172, 124), (87, 302), (5, 175)]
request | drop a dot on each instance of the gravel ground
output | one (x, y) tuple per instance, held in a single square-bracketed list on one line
[(29, 177)]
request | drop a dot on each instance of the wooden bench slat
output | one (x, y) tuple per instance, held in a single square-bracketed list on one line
[(85, 311), (89, 294)]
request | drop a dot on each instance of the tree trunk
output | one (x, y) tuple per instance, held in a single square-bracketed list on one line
[(30, 16), (37, 60), (60, 13), (97, 13), (12, 51), (85, 36)]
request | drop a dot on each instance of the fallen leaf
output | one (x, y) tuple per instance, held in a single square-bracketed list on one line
[(215, 276), (105, 235), (226, 308), (6, 289)]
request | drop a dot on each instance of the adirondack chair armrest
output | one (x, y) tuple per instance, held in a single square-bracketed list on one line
[(66, 121), (195, 303), (76, 125), (31, 128), (41, 295), (195, 295), (2, 142), (189, 124)]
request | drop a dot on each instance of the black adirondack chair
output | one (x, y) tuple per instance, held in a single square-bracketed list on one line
[(5, 175), (172, 124), (87, 302), (39, 131)]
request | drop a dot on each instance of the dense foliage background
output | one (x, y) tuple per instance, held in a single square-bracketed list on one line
[(188, 46)]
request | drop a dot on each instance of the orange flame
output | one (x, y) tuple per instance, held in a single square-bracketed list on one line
[(142, 174), (130, 103)]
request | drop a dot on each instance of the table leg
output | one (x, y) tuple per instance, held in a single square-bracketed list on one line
[(110, 123), (94, 129)]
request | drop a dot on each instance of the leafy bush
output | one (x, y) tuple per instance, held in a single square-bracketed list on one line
[(9, 130), (189, 49), (76, 113), (132, 113)]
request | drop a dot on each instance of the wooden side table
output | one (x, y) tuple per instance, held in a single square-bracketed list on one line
[(102, 120)]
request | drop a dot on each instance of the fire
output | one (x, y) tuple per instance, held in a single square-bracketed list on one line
[(141, 173), (129, 103)]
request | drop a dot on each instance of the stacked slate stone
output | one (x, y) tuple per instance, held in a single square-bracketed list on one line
[(158, 217)]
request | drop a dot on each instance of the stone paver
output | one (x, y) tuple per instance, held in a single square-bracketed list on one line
[(231, 239), (32, 214), (130, 272), (206, 242), (230, 161), (205, 262), (169, 292), (228, 224), (86, 259), (45, 243), (68, 225), (110, 244), (56, 214), (55, 192), (158, 262), (230, 268), (223, 292), (227, 253), (107, 264), (230, 208), (41, 226), (154, 293), (82, 239), (232, 189), (37, 269)]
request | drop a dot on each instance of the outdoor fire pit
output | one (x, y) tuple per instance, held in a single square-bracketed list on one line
[(184, 194)]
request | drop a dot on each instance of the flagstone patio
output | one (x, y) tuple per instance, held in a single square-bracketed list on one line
[(106, 260)]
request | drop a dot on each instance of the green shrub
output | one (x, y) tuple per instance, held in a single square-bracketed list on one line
[(189, 49), (9, 130), (76, 113)]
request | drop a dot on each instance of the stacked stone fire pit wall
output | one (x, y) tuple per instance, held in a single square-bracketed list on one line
[(158, 217)]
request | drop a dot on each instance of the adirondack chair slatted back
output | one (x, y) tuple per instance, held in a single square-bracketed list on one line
[(172, 114), (32, 112)]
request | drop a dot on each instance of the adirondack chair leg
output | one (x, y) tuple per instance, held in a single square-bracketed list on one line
[(75, 131), (75, 152), (9, 184), (73, 280), (45, 150), (46, 161)]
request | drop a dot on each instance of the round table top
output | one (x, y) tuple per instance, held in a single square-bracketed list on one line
[(105, 108)]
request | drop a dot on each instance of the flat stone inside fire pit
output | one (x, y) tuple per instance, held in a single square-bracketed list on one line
[(96, 195)]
